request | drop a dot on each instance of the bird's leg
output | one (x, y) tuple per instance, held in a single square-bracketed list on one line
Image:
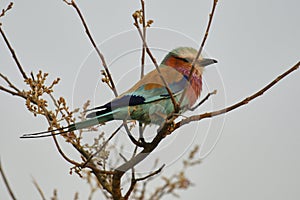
[(203, 100), (141, 132), (134, 141)]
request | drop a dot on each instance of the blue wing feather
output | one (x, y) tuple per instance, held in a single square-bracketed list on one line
[(140, 96)]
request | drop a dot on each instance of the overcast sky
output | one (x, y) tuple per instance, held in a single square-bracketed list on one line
[(257, 153)]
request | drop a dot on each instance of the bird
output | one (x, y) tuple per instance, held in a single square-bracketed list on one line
[(149, 101)]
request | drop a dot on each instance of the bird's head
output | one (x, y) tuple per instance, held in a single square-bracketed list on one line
[(184, 56)]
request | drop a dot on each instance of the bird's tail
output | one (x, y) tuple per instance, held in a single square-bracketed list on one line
[(72, 127)]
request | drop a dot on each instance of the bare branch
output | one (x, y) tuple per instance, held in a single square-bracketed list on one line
[(151, 174), (203, 100), (9, 91), (6, 183), (12, 51), (4, 11), (38, 189), (134, 180), (74, 5), (177, 181), (239, 104), (144, 36), (9, 83), (201, 47), (136, 24), (169, 127)]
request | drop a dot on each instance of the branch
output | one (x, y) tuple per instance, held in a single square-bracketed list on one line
[(47, 113), (201, 47), (9, 83), (203, 100), (4, 11), (13, 53), (26, 97), (239, 104), (120, 171), (74, 5), (20, 94), (144, 36), (6, 183), (9, 91), (136, 24), (17, 92), (55, 139), (134, 180), (151, 174), (169, 127), (38, 189)]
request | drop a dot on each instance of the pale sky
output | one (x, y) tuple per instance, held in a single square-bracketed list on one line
[(256, 156)]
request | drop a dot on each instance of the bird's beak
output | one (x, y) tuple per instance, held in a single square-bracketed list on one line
[(206, 61)]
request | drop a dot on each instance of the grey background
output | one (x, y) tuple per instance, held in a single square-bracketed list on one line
[(257, 156)]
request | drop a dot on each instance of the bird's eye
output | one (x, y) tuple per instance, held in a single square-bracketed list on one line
[(182, 59)]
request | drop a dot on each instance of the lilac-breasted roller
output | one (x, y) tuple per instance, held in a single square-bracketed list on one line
[(148, 101)]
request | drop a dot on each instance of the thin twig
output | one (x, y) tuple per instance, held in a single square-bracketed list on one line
[(38, 188), (201, 48), (74, 5), (136, 24), (135, 180), (4, 11), (13, 54), (144, 36), (151, 174), (9, 91), (239, 104), (55, 139), (132, 184), (203, 100), (62, 153), (9, 83), (144, 186), (6, 183), (143, 60), (104, 145), (48, 117)]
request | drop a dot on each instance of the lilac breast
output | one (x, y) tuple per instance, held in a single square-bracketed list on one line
[(195, 84)]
